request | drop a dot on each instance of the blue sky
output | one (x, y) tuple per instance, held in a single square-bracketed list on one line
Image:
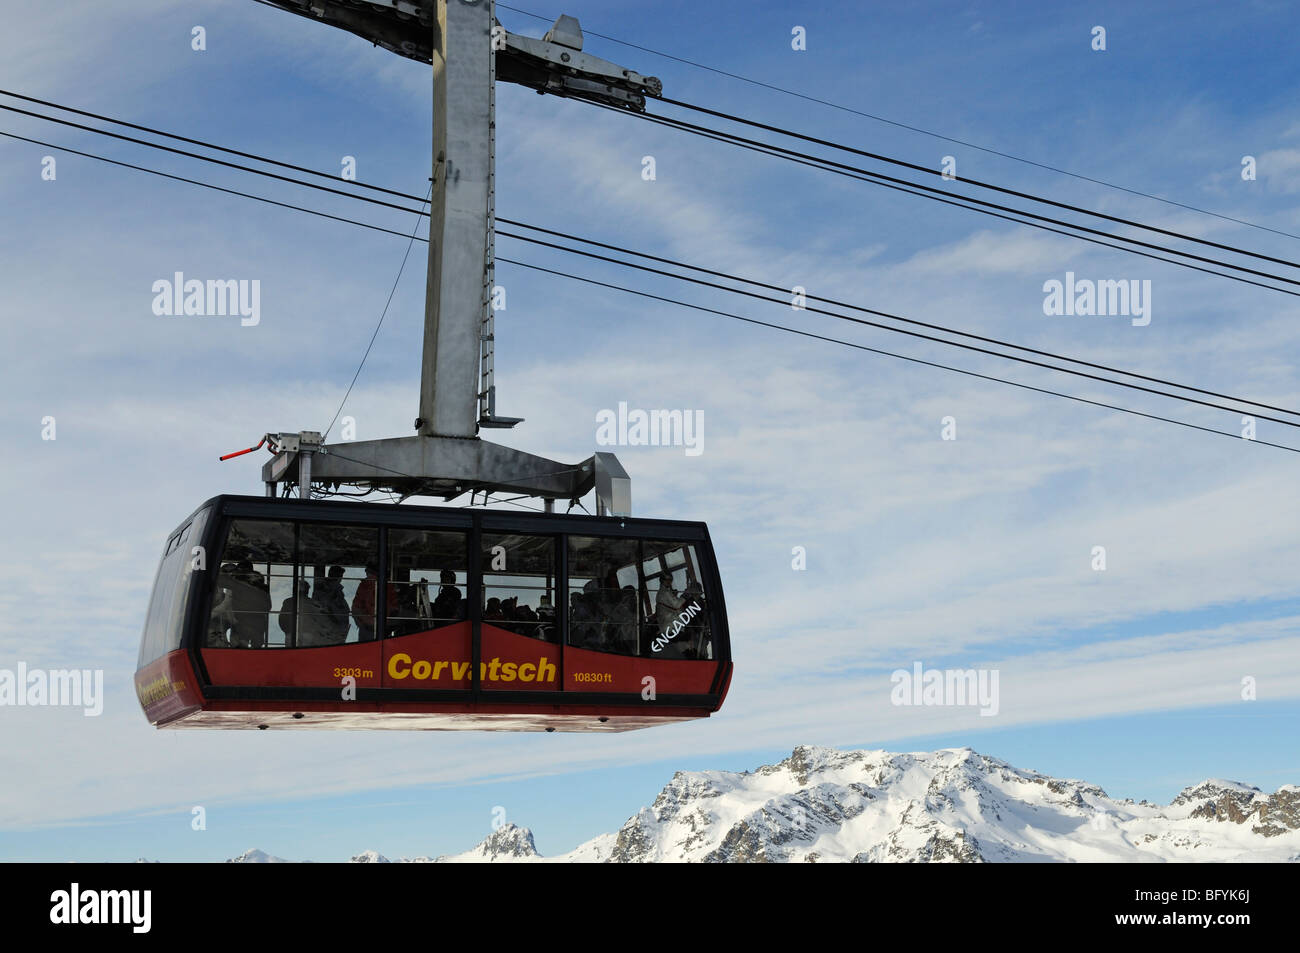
[(970, 553)]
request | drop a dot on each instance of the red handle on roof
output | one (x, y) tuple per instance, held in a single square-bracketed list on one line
[(240, 453)]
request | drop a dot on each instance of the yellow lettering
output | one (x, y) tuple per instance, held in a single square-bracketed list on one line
[(396, 660), (508, 672), (159, 689), (437, 669), (545, 670), (421, 669), (527, 672)]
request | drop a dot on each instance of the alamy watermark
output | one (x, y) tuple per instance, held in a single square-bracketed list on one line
[(956, 687), (75, 905), (57, 688), (651, 428), (179, 296), (1085, 297)]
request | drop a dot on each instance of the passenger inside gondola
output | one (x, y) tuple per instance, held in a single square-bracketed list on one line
[(415, 557), (222, 618), (312, 622), (251, 605), (546, 623), (449, 606), (328, 595), (697, 632), (584, 623), (363, 603), (526, 621), (668, 604), (624, 617), (409, 612)]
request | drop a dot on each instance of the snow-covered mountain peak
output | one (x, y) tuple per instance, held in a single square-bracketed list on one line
[(255, 856), (1268, 815), (952, 805), (955, 804), (1212, 789), (509, 842)]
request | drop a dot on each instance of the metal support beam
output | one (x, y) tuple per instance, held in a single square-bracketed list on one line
[(457, 392), (461, 218), (449, 467), (304, 475), (433, 466)]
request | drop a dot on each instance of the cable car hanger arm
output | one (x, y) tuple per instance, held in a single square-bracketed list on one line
[(554, 64)]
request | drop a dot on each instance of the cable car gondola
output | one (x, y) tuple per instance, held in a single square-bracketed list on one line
[(271, 613)]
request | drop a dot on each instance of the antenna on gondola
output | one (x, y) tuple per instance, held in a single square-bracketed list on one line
[(469, 51)]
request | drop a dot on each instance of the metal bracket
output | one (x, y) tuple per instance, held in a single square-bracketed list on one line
[(556, 64), (290, 448), (613, 486)]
